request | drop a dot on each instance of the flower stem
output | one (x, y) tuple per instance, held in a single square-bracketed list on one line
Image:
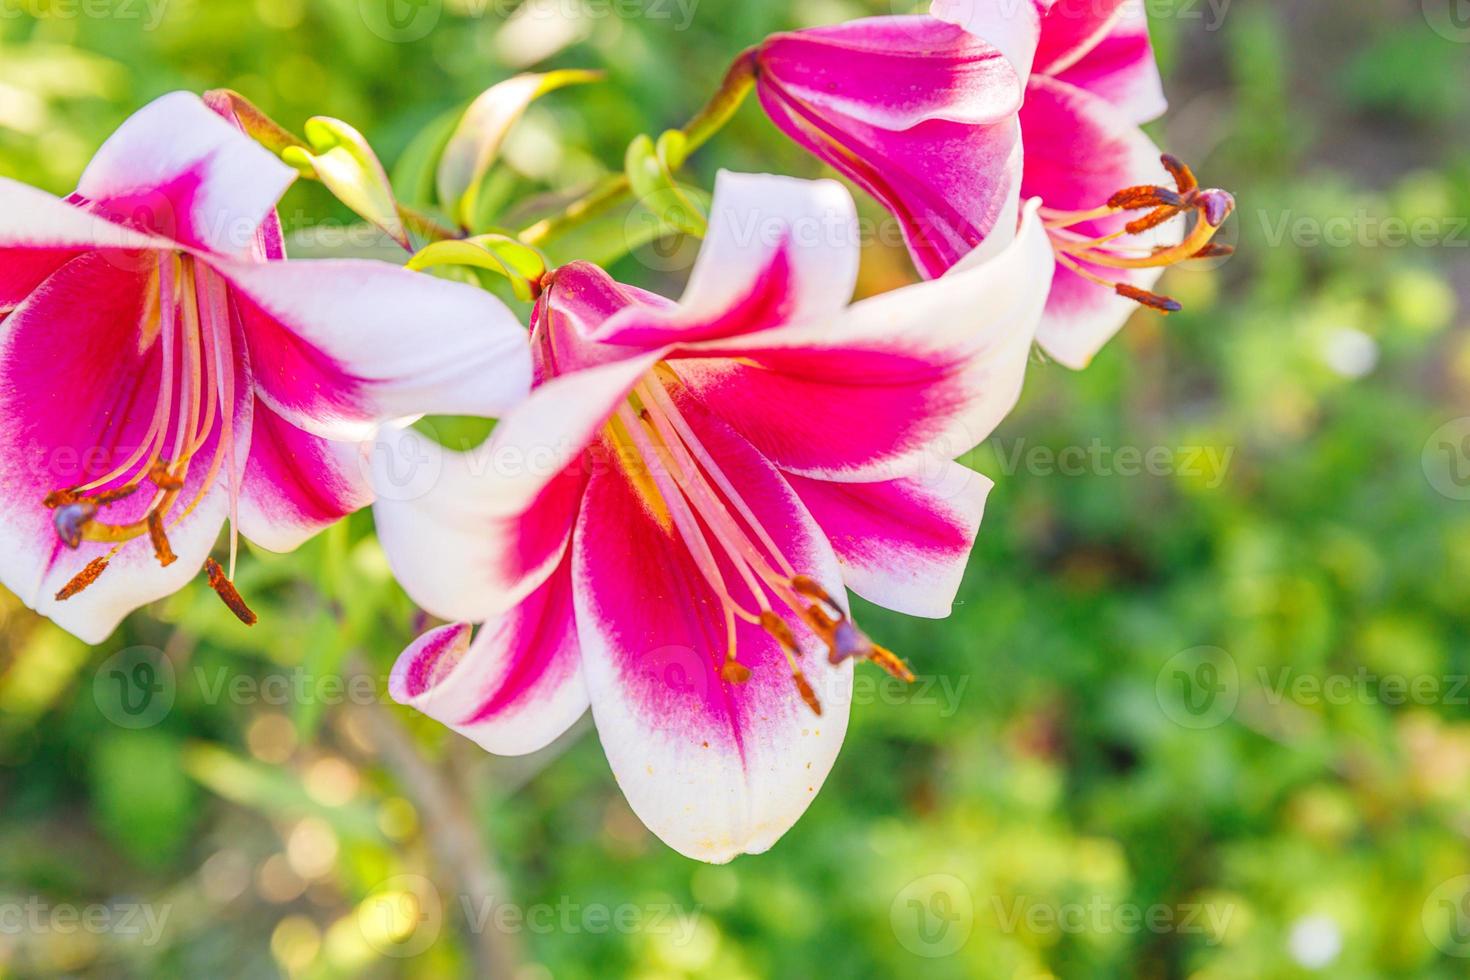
[(728, 98), (703, 125)]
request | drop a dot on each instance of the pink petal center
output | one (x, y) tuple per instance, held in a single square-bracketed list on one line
[(684, 487)]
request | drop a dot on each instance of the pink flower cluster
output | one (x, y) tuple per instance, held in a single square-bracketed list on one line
[(678, 497)]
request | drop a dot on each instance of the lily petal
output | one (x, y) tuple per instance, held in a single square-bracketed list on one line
[(897, 72), (461, 542), (1080, 151), (178, 170), (297, 483), (1010, 26), (40, 233), (491, 524), (903, 544), (512, 690), (949, 184), (715, 769), (270, 241), (1103, 47), (931, 369), (778, 249), (338, 346)]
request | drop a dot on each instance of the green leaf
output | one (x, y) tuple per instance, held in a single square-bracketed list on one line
[(475, 144), (141, 798), (342, 159), (270, 789), (497, 252), (413, 177)]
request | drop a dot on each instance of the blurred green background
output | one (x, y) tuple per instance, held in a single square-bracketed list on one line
[(1203, 709)]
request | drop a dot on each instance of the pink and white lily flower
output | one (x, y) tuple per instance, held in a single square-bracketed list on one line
[(667, 528), (161, 371), (950, 119)]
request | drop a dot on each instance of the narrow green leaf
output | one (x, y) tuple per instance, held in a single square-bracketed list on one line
[(475, 144)]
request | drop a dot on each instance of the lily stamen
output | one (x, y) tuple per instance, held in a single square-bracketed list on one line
[(191, 325), (710, 515), (84, 578), (227, 592), (1083, 253)]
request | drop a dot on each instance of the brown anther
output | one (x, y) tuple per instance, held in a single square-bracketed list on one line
[(1184, 178), (1153, 301), (1151, 220), (164, 480), (734, 672), (228, 593), (114, 495), (82, 579), (807, 694), (59, 498), (821, 623), (809, 587), (778, 628), (1145, 196), (161, 547), (890, 662), (1214, 250)]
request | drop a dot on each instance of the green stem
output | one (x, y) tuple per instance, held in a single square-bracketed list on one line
[(257, 125), (703, 125), (604, 195), (728, 98)]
